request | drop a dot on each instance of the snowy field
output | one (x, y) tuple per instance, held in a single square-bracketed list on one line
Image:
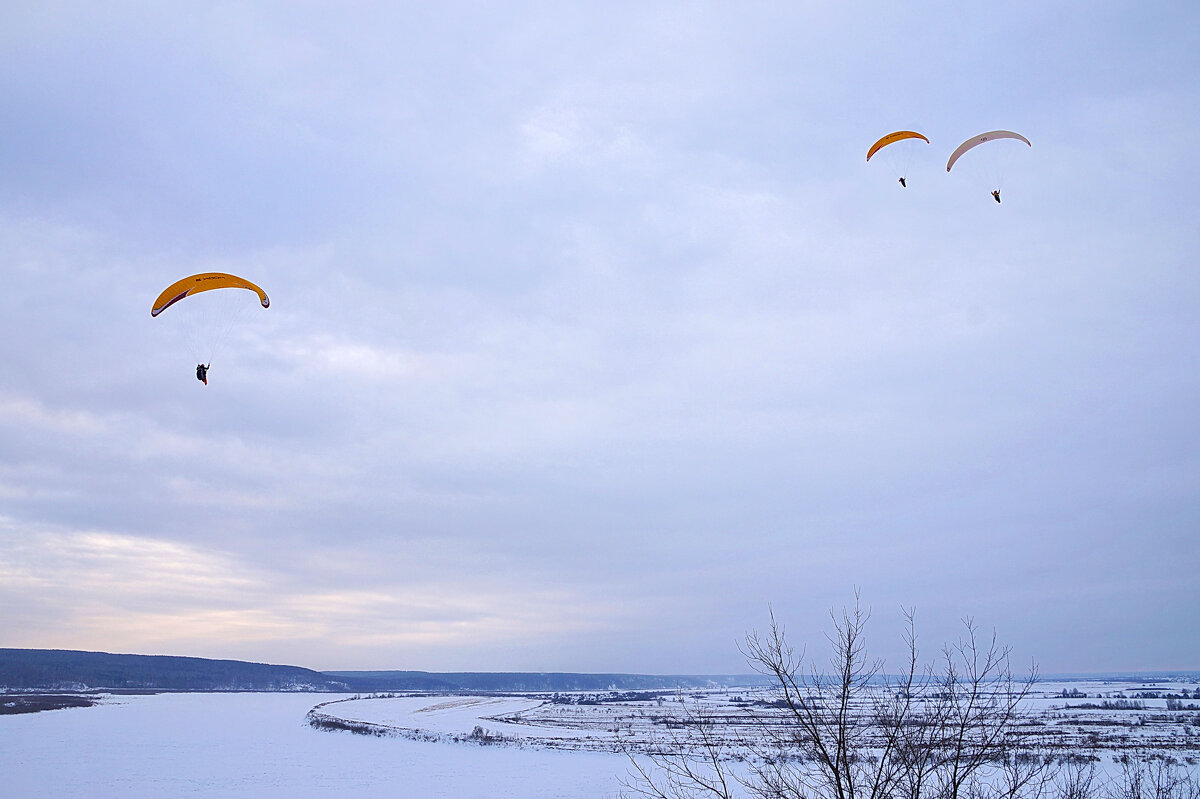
[(1102, 718), (263, 745), (260, 745)]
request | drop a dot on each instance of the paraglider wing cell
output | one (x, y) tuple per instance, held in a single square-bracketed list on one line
[(205, 281)]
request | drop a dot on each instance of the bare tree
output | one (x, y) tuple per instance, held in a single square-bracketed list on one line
[(845, 730), (687, 760), (1077, 779), (1149, 777)]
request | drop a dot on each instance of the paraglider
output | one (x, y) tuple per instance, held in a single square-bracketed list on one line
[(211, 322), (205, 281), (900, 155), (982, 138)]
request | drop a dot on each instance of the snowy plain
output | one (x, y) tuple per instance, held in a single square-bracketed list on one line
[(1104, 718)]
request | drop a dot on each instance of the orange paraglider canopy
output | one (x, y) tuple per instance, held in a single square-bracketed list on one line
[(205, 281), (899, 135)]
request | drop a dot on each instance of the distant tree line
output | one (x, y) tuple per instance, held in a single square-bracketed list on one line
[(70, 670), (58, 669)]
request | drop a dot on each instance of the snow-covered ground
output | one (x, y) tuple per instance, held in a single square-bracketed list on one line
[(263, 745), (260, 745), (1102, 718), (448, 717)]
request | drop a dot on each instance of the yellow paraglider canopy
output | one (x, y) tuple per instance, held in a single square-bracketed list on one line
[(899, 135), (204, 281)]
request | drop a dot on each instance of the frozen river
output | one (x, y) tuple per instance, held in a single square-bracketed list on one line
[(259, 745)]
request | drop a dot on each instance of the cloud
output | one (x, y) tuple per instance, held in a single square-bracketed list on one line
[(92, 589), (591, 333)]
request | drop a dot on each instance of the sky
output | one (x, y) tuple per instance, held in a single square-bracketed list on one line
[(593, 337)]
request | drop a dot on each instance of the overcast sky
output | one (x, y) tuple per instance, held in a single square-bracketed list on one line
[(592, 334)]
